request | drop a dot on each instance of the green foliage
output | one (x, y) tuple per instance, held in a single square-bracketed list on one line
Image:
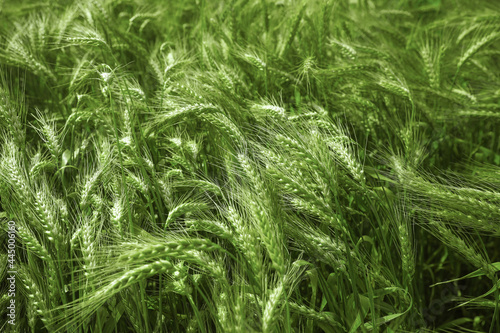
[(251, 165)]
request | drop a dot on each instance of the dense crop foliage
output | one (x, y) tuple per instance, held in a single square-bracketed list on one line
[(251, 165)]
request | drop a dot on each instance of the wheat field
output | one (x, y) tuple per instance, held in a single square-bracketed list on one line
[(249, 166)]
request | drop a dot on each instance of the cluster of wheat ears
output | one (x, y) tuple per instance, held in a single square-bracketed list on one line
[(251, 165)]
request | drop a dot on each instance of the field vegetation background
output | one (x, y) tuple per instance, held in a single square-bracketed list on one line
[(251, 165)]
